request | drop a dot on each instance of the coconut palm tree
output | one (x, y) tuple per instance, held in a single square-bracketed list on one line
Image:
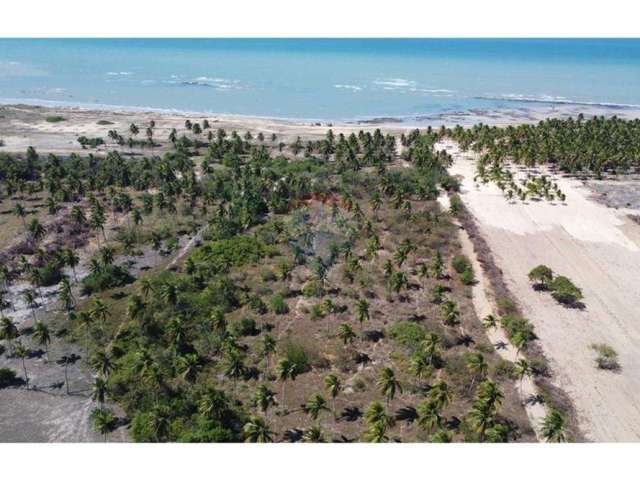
[(36, 230), (267, 348), (554, 427), (313, 434), (85, 319), (286, 369), (429, 416), (99, 390), (440, 394), (213, 405), (346, 333), (9, 332), (315, 405), (388, 384), (42, 336), (376, 433), (103, 421), (522, 369), (334, 387), (189, 366), (490, 321), (20, 212), (71, 260), (362, 311), (234, 365), (145, 287), (477, 366), (450, 312), (99, 311), (101, 362), (257, 430), (21, 352), (264, 399), (30, 299)]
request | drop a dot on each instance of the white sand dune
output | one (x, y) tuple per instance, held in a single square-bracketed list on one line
[(597, 247)]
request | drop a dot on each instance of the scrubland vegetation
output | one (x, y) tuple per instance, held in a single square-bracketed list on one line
[(323, 296)]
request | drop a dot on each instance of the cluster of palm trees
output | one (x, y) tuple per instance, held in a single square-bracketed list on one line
[(532, 186), (595, 145)]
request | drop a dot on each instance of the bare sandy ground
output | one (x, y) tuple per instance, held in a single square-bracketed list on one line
[(599, 249)]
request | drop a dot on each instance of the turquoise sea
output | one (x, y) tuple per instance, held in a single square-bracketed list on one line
[(321, 79)]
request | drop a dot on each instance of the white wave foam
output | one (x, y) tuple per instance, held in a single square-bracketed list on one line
[(553, 99), (354, 88), (119, 74), (391, 83)]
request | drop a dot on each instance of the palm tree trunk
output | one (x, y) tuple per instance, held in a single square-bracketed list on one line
[(26, 377), (66, 377)]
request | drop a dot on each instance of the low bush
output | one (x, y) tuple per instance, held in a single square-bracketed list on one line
[(467, 277), (312, 288), (564, 291), (607, 357), (111, 276), (518, 327), (50, 274), (243, 327), (407, 333), (541, 276), (55, 118), (296, 354), (278, 305), (460, 263)]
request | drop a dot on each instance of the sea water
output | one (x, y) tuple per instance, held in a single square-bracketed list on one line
[(321, 79)]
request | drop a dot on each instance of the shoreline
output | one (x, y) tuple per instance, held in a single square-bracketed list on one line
[(522, 111)]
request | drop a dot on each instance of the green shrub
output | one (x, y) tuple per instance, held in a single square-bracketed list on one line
[(243, 327), (407, 333), (51, 273), (313, 288), (92, 142), (518, 327), (221, 255), (55, 118), (506, 306), (467, 277), (564, 291), (7, 377), (296, 354), (505, 370), (460, 263), (317, 311), (541, 275), (257, 305), (111, 276), (607, 357), (278, 305)]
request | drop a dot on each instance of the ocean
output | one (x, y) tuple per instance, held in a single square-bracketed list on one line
[(322, 79)]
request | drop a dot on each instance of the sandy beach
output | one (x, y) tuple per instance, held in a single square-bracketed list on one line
[(24, 125)]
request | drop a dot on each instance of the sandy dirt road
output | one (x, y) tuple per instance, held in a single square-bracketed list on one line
[(598, 248)]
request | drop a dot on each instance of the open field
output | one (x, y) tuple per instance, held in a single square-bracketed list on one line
[(597, 247)]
